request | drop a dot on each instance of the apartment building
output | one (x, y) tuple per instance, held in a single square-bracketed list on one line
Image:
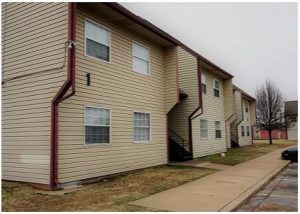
[(291, 115), (90, 89), (245, 118)]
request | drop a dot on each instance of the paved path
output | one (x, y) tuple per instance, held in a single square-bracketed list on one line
[(220, 191), (281, 194)]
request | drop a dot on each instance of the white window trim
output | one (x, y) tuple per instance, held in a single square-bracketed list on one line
[(204, 139), (246, 104), (218, 129), (248, 131), (108, 29), (204, 83), (243, 130), (149, 57), (150, 129), (110, 131), (217, 88)]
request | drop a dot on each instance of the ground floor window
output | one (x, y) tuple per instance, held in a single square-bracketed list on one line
[(203, 130), (141, 127), (218, 129), (243, 131), (248, 131), (97, 125)]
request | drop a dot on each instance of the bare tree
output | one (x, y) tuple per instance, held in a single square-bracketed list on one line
[(269, 103)]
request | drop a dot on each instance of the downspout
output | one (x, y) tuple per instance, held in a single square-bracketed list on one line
[(177, 101), (229, 128), (200, 106), (61, 95), (236, 127), (253, 124)]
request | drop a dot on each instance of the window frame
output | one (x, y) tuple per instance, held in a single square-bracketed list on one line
[(85, 43), (214, 88), (202, 129), (110, 126), (246, 107), (248, 131), (149, 57), (243, 131), (218, 138), (203, 84), (150, 129)]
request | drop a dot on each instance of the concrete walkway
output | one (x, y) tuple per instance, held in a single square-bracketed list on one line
[(221, 191)]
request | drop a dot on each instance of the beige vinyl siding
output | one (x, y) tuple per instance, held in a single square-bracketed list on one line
[(34, 36), (252, 112), (228, 98), (213, 110), (228, 108), (171, 69), (115, 86), (237, 111), (245, 140), (188, 82)]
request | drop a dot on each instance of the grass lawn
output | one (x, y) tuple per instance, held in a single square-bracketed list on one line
[(238, 155), (111, 195)]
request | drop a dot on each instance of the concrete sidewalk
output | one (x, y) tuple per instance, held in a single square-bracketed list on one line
[(221, 191)]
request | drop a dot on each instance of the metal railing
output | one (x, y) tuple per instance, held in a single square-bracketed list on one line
[(179, 140), (234, 138)]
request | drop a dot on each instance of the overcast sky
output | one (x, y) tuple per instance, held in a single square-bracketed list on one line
[(252, 41)]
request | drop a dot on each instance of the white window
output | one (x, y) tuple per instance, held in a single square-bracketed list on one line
[(141, 127), (218, 129), (243, 131), (217, 88), (203, 130), (97, 125), (246, 107), (248, 131), (97, 42), (140, 58), (203, 83)]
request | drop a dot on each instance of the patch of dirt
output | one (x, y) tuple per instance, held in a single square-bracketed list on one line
[(111, 195)]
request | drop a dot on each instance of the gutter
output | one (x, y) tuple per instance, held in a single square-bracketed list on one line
[(200, 106), (149, 26), (236, 127), (61, 95)]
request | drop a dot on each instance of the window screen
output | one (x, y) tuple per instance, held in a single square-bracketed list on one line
[(203, 83), (203, 129), (140, 58), (97, 125), (141, 127), (218, 129), (216, 88), (97, 41)]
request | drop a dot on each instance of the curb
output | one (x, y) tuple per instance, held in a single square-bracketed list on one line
[(231, 206)]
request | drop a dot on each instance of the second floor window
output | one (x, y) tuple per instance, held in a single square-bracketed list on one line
[(140, 58), (97, 42), (246, 108), (216, 88), (203, 83)]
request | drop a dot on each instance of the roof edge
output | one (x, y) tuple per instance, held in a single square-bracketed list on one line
[(130, 15), (243, 92)]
